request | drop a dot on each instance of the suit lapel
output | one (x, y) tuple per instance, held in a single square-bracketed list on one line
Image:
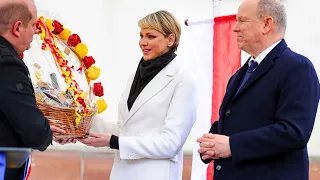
[(160, 81), (262, 68), (233, 86), (124, 97), (266, 64)]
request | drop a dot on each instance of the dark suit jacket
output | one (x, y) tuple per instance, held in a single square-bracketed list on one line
[(22, 124), (270, 120)]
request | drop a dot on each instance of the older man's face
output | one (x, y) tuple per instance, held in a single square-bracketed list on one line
[(248, 27)]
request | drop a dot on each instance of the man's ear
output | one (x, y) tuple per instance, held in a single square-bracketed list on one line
[(268, 24), (16, 28)]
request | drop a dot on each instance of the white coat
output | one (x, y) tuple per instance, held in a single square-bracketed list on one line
[(152, 133)]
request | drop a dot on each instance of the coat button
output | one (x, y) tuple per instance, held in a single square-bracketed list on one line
[(228, 112), (218, 167)]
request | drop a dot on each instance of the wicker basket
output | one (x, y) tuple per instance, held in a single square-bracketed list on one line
[(65, 57), (64, 118)]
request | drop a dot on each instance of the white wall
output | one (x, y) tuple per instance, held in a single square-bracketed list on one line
[(109, 28)]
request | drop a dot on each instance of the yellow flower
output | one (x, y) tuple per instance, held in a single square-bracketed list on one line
[(60, 53), (66, 73), (49, 24), (43, 33), (78, 118), (102, 105), (81, 49), (37, 74), (93, 73), (82, 95), (68, 81), (64, 35)]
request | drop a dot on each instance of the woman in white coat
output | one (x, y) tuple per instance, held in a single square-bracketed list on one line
[(157, 109)]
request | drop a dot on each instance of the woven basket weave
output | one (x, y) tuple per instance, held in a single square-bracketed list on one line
[(64, 118)]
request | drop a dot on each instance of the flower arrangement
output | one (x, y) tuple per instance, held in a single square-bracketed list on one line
[(52, 32)]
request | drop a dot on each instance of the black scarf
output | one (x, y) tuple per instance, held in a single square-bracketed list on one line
[(146, 71)]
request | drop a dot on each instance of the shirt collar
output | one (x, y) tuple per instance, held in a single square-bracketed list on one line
[(263, 54)]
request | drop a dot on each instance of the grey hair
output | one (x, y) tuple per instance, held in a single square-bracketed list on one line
[(276, 10)]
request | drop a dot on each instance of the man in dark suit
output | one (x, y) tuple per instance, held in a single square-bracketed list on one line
[(22, 124), (268, 112)]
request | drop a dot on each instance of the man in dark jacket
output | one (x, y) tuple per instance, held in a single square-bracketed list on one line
[(22, 124), (268, 111)]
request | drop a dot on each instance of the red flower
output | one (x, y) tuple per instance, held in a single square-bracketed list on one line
[(79, 69), (43, 47), (21, 55), (98, 89), (73, 40), (88, 61), (58, 27), (38, 31), (81, 101)]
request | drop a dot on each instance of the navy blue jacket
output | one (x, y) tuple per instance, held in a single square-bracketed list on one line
[(270, 120)]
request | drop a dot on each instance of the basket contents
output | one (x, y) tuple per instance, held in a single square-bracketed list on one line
[(64, 78)]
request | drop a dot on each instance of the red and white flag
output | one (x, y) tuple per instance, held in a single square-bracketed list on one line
[(214, 71)]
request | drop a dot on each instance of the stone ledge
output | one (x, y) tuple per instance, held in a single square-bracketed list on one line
[(80, 165)]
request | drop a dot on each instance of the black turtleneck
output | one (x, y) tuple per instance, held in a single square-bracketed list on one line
[(146, 71)]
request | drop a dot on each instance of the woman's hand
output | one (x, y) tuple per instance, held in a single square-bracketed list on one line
[(96, 140)]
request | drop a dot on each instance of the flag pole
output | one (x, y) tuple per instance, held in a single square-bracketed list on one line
[(216, 13)]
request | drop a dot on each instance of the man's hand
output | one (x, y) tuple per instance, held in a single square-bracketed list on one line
[(64, 141), (57, 131), (214, 146)]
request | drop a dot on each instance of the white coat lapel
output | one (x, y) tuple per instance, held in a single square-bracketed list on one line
[(123, 106), (160, 81)]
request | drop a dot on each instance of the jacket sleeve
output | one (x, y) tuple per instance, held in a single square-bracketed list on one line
[(214, 126), (294, 119), (179, 120), (19, 106), (213, 130)]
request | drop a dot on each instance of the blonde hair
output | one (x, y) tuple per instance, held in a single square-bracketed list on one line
[(165, 23)]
